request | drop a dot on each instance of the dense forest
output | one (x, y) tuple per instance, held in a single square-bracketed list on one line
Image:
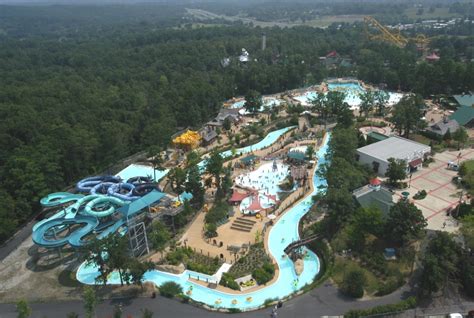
[(79, 94)]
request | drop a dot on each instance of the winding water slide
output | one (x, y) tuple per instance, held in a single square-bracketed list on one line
[(87, 184), (122, 191), (46, 234), (54, 232)]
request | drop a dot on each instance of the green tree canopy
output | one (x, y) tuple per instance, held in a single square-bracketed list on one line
[(407, 114), (397, 170), (405, 222), (253, 101)]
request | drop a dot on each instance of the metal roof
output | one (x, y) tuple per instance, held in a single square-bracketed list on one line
[(465, 99), (463, 115), (394, 147), (140, 204), (377, 136), (296, 155)]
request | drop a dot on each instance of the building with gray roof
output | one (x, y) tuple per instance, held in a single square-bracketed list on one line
[(376, 155), (441, 128)]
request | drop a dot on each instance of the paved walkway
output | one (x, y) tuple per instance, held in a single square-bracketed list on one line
[(443, 195)]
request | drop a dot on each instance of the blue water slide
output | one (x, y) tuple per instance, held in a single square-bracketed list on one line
[(55, 200), (58, 199), (86, 185), (139, 180), (101, 188), (105, 204), (116, 190), (44, 234), (76, 207), (145, 188), (111, 229)]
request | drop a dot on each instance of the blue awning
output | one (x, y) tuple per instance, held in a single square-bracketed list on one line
[(142, 203)]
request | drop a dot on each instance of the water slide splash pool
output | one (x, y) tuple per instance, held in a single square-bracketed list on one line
[(281, 235), (134, 170)]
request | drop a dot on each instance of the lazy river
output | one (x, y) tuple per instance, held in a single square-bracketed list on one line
[(269, 139), (281, 235)]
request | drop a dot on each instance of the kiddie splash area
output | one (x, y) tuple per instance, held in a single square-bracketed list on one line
[(102, 206), (282, 233), (353, 90), (264, 185)]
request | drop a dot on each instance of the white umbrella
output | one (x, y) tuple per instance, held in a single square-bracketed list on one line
[(272, 216)]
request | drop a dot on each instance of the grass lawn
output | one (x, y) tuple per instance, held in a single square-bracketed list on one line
[(342, 265), (420, 139), (442, 13), (469, 164)]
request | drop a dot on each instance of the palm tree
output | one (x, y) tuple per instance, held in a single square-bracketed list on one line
[(156, 159)]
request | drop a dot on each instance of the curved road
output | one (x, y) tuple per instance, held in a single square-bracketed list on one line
[(324, 300)]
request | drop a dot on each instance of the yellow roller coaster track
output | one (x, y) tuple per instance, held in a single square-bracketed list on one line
[(390, 36)]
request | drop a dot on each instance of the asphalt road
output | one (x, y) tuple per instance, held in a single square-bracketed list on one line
[(324, 300)]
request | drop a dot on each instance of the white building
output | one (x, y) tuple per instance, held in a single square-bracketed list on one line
[(376, 155)]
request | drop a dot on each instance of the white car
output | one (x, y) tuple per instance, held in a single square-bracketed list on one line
[(456, 315)]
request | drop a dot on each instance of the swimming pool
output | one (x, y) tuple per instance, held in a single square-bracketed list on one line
[(135, 170), (281, 234), (267, 102), (353, 92)]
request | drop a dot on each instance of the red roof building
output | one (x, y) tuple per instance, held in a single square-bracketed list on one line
[(375, 182), (332, 54), (255, 206), (237, 197)]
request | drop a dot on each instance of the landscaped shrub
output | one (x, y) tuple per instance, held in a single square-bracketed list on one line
[(254, 259), (353, 283), (401, 306), (390, 286), (211, 230), (180, 255), (264, 274), (170, 289), (420, 195), (228, 280), (268, 301), (217, 213)]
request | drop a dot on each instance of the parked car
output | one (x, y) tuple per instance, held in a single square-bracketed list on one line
[(453, 166)]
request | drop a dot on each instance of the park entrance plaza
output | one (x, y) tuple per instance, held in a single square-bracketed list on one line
[(443, 194)]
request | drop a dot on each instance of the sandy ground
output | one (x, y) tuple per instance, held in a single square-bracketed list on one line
[(36, 275)]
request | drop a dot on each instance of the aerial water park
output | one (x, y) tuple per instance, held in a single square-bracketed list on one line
[(273, 181), (284, 231)]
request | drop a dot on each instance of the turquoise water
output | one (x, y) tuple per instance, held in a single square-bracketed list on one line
[(351, 86), (285, 228), (135, 170), (269, 101), (269, 139), (353, 92)]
